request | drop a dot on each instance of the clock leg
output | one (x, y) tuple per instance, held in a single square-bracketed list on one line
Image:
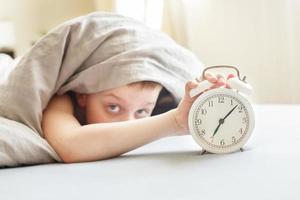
[(241, 149), (203, 152)]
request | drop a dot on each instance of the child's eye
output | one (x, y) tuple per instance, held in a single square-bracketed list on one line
[(143, 112), (113, 108)]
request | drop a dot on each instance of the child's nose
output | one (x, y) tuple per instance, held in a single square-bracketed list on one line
[(131, 117), (128, 117)]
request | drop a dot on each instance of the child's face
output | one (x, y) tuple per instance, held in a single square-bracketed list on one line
[(119, 104)]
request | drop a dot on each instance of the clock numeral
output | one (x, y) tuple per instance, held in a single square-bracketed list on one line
[(210, 104), (222, 142), (231, 102), (212, 139), (203, 111), (233, 139), (240, 109), (241, 130), (221, 99), (202, 132), (198, 121), (244, 120)]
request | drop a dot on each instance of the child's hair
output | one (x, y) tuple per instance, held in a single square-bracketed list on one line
[(146, 84), (165, 100)]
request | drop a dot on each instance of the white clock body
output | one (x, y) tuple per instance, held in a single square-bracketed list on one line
[(211, 132)]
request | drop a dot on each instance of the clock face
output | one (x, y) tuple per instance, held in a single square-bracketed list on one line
[(221, 120)]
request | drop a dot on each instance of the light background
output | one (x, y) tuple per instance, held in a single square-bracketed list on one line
[(261, 37)]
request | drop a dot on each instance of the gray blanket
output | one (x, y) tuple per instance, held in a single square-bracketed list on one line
[(89, 54)]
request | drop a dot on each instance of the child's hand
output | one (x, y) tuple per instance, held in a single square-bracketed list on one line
[(182, 111)]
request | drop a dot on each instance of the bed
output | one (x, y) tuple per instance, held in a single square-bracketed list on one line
[(173, 168)]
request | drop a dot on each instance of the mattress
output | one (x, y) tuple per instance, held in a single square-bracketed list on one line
[(173, 168)]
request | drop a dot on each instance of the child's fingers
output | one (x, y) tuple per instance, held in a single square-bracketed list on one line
[(217, 80), (210, 77), (229, 77), (220, 81), (188, 87)]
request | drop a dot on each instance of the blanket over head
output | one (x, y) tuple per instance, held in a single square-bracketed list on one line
[(90, 54)]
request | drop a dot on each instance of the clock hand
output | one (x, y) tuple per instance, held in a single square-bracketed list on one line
[(217, 128), (221, 121), (230, 112)]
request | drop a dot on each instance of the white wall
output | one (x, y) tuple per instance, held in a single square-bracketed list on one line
[(33, 17), (259, 36)]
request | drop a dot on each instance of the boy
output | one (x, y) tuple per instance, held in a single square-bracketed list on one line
[(113, 122)]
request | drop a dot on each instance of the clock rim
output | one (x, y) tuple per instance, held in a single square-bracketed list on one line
[(237, 95)]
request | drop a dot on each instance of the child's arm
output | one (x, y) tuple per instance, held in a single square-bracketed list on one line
[(76, 143)]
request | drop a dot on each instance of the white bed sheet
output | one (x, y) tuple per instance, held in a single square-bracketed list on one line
[(172, 168)]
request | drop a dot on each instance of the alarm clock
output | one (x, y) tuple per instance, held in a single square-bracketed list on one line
[(221, 120)]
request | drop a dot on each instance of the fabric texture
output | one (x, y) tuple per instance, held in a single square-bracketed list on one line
[(90, 54), (20, 145)]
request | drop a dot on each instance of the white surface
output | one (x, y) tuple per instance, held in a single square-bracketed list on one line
[(172, 168)]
